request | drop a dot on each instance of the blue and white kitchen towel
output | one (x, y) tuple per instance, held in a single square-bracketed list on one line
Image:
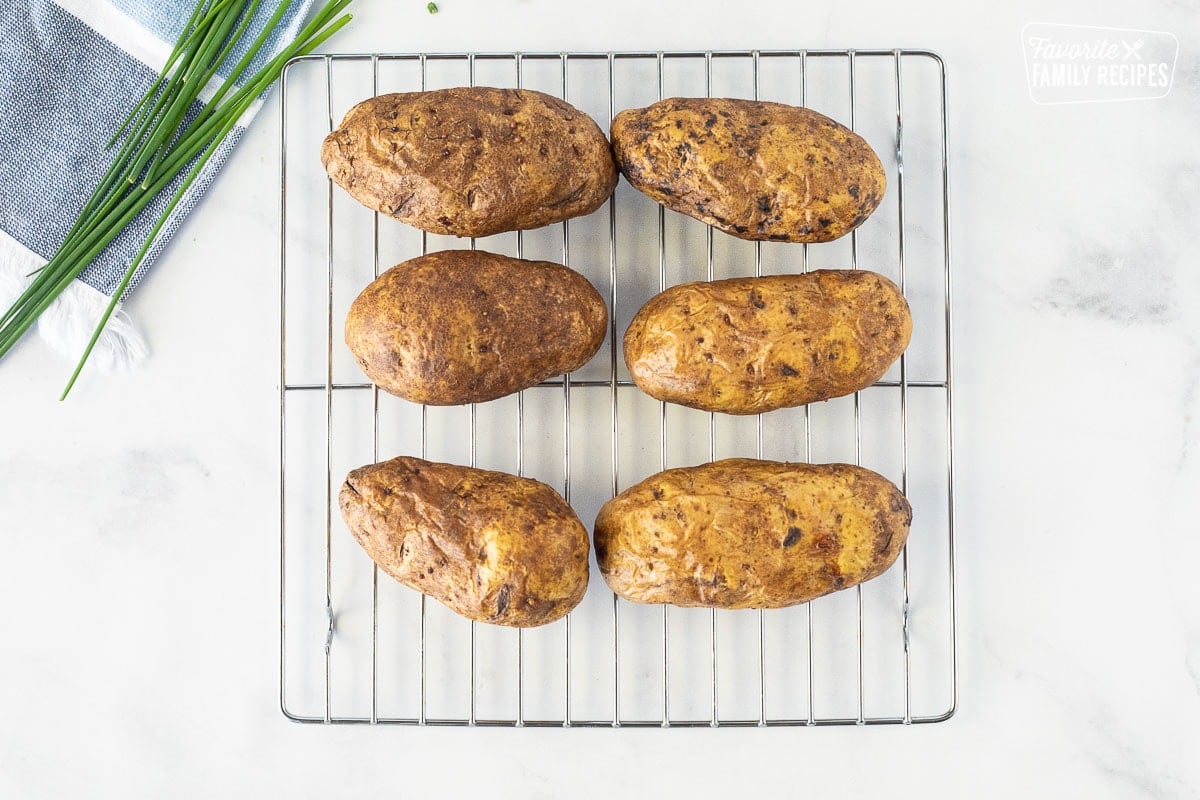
[(70, 71)]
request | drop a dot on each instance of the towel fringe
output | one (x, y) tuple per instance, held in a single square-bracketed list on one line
[(16, 263), (67, 324)]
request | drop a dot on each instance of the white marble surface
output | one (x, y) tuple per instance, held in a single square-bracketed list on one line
[(139, 548)]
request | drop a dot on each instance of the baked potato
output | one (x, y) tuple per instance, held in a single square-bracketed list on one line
[(744, 533), (491, 546), (753, 169), (471, 161), (465, 326), (747, 345)]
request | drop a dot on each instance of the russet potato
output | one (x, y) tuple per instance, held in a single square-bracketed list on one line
[(747, 345), (753, 169), (745, 533), (491, 546), (466, 326), (471, 161)]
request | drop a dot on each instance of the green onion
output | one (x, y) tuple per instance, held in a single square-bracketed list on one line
[(156, 147)]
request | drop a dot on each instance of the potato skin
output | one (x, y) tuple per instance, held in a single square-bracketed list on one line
[(744, 533), (491, 546), (466, 326), (753, 169), (471, 161), (748, 345)]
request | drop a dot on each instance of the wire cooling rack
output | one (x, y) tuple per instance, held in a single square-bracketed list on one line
[(356, 647)]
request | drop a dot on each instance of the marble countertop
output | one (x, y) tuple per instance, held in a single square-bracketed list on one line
[(139, 552)]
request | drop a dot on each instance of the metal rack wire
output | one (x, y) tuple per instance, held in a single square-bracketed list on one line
[(334, 642)]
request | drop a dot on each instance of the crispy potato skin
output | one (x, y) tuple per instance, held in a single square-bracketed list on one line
[(491, 546), (753, 169), (747, 345), (743, 533), (466, 326), (471, 161)]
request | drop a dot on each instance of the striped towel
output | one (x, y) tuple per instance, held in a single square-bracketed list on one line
[(70, 70)]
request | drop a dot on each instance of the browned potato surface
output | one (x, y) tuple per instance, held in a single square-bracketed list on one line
[(746, 345), (493, 547), (753, 169), (743, 533), (471, 161), (465, 326)]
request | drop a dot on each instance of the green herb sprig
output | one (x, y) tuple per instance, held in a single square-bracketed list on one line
[(157, 146)]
